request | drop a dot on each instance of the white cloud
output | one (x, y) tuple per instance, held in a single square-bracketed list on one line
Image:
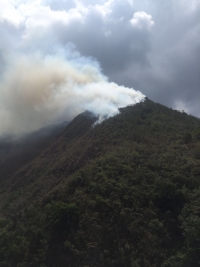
[(9, 13), (142, 20)]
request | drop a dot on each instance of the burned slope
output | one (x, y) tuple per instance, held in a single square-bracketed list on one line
[(122, 193)]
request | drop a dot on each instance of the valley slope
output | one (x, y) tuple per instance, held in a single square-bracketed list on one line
[(122, 193)]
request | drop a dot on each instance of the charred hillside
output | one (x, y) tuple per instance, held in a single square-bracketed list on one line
[(122, 193)]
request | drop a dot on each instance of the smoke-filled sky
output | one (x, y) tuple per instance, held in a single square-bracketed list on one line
[(60, 57)]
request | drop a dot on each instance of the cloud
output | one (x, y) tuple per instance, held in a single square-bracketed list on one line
[(142, 20), (170, 73), (99, 30), (148, 45)]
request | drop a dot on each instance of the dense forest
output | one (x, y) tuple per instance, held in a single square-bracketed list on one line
[(122, 193)]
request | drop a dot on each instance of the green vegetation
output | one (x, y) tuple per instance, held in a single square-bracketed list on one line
[(123, 193)]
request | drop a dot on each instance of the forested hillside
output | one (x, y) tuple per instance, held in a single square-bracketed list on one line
[(15, 152), (123, 193)]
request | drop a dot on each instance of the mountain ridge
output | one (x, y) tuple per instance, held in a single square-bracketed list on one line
[(18, 151), (122, 193)]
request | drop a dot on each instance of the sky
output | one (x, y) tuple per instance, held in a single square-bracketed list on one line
[(104, 48)]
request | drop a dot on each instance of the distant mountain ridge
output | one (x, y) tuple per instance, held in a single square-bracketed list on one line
[(122, 193)]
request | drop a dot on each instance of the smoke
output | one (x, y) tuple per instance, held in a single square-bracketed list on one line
[(43, 78), (39, 89)]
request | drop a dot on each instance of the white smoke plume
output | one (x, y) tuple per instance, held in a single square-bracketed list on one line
[(151, 46), (37, 90)]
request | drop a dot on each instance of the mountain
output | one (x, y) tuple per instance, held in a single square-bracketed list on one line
[(18, 151), (125, 192)]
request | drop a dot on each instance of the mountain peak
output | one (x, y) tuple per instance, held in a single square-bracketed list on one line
[(122, 193)]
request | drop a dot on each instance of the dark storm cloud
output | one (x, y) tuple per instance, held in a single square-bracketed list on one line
[(172, 76), (111, 38)]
